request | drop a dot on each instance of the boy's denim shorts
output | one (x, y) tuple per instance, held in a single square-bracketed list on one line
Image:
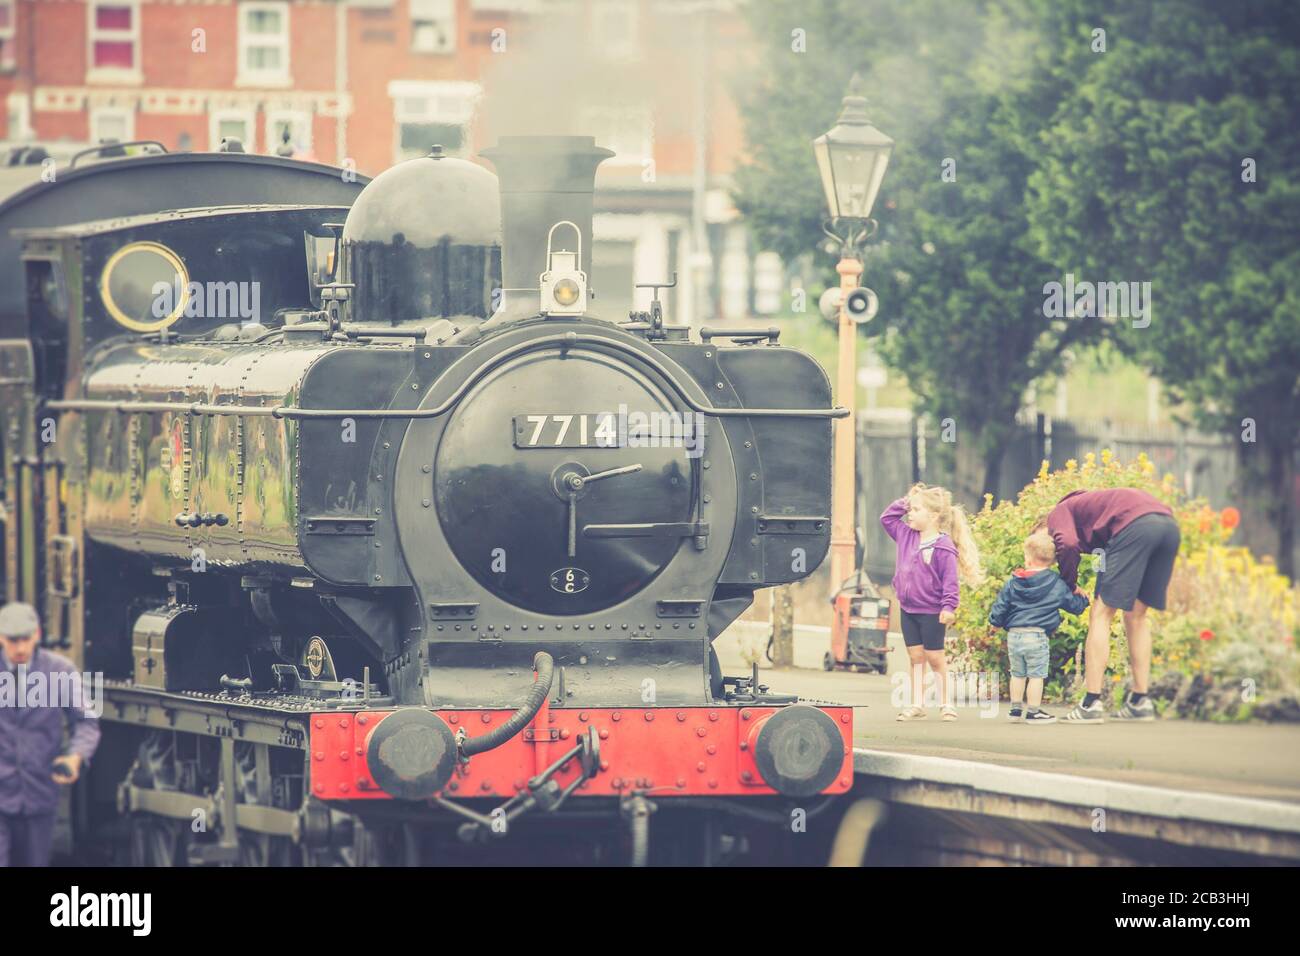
[(1027, 648)]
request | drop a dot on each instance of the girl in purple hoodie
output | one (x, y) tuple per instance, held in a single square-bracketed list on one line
[(935, 551)]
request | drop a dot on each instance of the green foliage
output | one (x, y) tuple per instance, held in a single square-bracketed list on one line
[(954, 263), (1122, 165), (1001, 531), (1140, 176)]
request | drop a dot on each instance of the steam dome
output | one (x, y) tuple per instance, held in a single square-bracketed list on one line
[(423, 241)]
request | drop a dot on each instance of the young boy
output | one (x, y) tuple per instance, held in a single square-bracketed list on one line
[(1029, 606)]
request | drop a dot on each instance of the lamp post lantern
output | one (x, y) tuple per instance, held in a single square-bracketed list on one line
[(852, 157)]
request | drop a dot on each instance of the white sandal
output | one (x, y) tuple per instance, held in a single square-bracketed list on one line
[(912, 713), (949, 713)]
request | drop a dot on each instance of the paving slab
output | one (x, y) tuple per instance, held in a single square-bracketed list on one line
[(1249, 759)]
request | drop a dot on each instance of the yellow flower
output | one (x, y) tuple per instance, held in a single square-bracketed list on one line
[(1071, 465), (1106, 456)]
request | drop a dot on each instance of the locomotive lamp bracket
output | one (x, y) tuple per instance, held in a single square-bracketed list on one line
[(652, 322), (464, 611), (792, 524), (678, 609), (748, 690), (334, 298)]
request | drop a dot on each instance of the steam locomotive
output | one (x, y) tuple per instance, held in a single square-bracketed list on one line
[(389, 545)]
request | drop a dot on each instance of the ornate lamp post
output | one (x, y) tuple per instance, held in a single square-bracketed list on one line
[(852, 158)]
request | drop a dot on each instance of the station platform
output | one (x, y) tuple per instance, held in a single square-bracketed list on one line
[(1254, 760)]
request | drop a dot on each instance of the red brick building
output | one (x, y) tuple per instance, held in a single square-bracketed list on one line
[(372, 82)]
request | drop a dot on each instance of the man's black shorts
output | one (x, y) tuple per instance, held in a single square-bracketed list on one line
[(1139, 562), (923, 629)]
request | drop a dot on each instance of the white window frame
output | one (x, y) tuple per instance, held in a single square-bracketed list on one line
[(114, 74), (7, 34), (217, 117), (450, 102), (126, 114), (298, 118), (593, 119), (273, 78), (421, 6), (18, 115)]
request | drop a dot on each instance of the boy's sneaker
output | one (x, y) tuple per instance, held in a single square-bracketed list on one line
[(1016, 713), (1131, 711), (1039, 717), (1096, 714)]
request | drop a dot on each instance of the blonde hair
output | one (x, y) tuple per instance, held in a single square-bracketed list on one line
[(953, 522), (1040, 547)]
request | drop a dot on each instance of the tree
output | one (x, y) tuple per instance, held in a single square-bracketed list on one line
[(1173, 157), (958, 273)]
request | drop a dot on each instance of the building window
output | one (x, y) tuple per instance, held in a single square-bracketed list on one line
[(769, 283), (296, 123), (614, 29), (734, 273), (230, 124), (112, 123), (432, 113), (624, 129), (433, 26), (263, 44), (114, 39), (7, 14), (18, 110)]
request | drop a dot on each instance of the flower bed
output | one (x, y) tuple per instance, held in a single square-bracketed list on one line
[(1225, 647)]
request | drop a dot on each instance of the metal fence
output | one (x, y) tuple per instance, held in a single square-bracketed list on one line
[(895, 450)]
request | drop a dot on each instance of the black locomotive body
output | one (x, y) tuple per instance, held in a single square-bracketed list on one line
[(416, 543)]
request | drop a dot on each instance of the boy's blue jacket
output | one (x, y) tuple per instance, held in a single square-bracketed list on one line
[(1035, 599)]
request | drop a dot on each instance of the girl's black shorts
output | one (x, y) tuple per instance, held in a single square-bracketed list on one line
[(923, 629)]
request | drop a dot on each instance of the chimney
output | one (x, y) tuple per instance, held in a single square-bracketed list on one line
[(544, 180)]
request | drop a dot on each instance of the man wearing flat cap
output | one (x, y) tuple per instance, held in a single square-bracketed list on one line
[(39, 691)]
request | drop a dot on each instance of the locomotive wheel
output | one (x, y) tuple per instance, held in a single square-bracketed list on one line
[(154, 841), (254, 849)]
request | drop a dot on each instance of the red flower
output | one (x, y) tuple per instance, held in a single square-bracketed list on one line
[(1230, 517), (1207, 635)]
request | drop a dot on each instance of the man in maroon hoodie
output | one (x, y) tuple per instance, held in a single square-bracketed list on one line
[(1135, 538)]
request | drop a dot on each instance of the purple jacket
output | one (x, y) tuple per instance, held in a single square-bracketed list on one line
[(921, 588), (32, 736)]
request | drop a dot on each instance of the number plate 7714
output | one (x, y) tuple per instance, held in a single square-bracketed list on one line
[(599, 430)]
